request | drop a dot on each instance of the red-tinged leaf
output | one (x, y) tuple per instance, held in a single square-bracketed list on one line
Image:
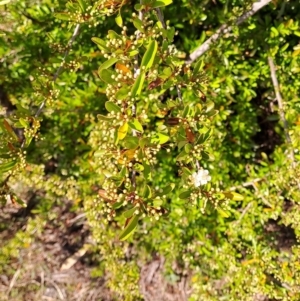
[(122, 68), (10, 130), (11, 147), (103, 194), (172, 121), (190, 135), (155, 84)]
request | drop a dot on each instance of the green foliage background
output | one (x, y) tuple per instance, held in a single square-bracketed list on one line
[(232, 245)]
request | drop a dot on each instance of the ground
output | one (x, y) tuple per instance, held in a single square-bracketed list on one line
[(57, 264)]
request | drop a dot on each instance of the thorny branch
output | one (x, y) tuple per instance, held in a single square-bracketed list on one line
[(256, 6)]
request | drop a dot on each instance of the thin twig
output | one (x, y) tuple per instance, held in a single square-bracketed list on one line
[(243, 213), (59, 291), (246, 184), (160, 17), (135, 74), (281, 108), (13, 281), (252, 183), (256, 6), (55, 76), (282, 115)]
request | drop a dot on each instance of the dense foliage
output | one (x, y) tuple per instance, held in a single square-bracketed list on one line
[(195, 162)]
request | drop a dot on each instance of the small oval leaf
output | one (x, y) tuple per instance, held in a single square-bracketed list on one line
[(149, 55), (138, 85), (111, 107), (108, 63), (122, 131), (129, 229), (119, 20)]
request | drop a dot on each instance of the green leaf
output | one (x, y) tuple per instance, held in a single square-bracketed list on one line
[(8, 165), (113, 35), (111, 107), (147, 171), (188, 147), (138, 7), (186, 173), (185, 194), (82, 4), (157, 202), (167, 72), (131, 142), (129, 229), (209, 106), (101, 44), (181, 156), (198, 67), (122, 131), (129, 213), (123, 93), (203, 138), (100, 152), (143, 142), (146, 193), (167, 189), (138, 85), (123, 172), (133, 52), (149, 55), (22, 109), (106, 76), (138, 24), (117, 205), (223, 213), (24, 123), (138, 167), (161, 3), (3, 2), (64, 16), (135, 125), (119, 20), (104, 118), (274, 31), (108, 63), (170, 33), (233, 196), (181, 144), (186, 111), (160, 138), (284, 47)]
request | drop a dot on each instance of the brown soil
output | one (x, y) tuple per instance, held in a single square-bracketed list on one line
[(57, 265)]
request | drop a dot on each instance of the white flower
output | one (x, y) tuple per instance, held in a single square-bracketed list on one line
[(137, 72), (201, 177)]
